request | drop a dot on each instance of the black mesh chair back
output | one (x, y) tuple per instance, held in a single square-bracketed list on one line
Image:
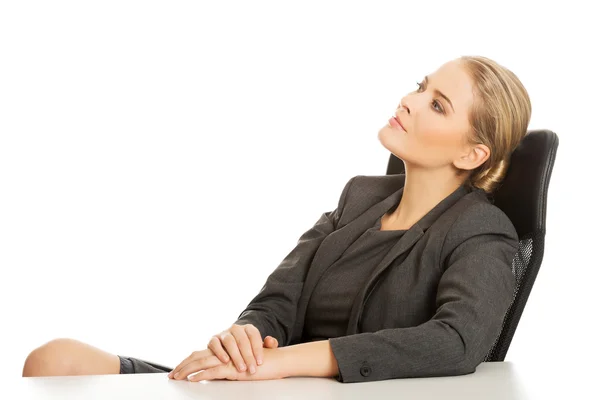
[(522, 196)]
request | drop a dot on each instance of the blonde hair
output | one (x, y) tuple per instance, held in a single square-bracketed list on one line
[(499, 118)]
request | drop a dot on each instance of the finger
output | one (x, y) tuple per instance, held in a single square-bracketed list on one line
[(182, 364), (268, 342), (241, 336), (197, 365), (271, 342), (256, 343), (195, 355), (219, 372), (217, 348), (231, 346)]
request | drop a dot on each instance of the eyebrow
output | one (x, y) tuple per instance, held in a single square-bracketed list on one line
[(440, 94)]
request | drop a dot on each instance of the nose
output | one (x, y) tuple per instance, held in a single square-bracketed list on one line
[(404, 106)]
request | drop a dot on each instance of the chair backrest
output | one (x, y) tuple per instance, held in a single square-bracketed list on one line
[(522, 196)]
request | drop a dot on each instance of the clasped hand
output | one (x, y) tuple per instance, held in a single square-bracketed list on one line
[(234, 354)]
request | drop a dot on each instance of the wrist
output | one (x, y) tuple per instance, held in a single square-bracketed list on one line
[(275, 364), (314, 359)]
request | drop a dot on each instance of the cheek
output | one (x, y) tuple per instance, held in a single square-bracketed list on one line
[(435, 134), (435, 143)]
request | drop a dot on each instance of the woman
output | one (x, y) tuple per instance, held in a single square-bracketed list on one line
[(410, 276)]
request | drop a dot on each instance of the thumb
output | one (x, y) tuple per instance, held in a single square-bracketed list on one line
[(271, 342)]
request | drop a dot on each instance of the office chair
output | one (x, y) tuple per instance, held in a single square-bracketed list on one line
[(522, 196)]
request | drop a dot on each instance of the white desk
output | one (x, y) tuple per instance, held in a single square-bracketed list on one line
[(498, 380)]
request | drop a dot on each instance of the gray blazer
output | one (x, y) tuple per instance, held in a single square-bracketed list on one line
[(433, 306)]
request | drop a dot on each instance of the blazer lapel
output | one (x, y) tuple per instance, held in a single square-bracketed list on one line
[(399, 252), (333, 247)]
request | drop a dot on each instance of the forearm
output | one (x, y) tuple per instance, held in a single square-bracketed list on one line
[(306, 359)]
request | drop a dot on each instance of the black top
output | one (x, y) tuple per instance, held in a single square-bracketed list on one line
[(329, 307)]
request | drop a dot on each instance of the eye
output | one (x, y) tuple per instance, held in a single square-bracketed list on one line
[(439, 108)]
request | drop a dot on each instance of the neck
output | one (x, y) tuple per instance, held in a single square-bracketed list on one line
[(423, 190)]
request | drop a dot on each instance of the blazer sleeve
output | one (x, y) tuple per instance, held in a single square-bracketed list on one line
[(273, 310), (474, 293)]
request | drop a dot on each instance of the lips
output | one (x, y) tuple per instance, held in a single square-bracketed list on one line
[(394, 122), (400, 123)]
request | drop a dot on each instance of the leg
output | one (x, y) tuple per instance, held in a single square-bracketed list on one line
[(62, 357)]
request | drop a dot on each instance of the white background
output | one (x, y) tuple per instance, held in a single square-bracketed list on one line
[(159, 159)]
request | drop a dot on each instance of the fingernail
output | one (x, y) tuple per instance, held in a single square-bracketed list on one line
[(252, 369), (259, 361), (177, 375), (243, 367)]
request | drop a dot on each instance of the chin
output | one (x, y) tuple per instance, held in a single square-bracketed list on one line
[(388, 137)]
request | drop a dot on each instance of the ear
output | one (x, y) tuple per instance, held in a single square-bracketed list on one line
[(473, 157)]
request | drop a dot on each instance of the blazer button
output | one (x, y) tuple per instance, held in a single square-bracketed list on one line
[(365, 370)]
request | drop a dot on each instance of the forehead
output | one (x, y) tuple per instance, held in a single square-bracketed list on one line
[(453, 80)]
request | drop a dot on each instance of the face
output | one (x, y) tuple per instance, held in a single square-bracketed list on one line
[(435, 128)]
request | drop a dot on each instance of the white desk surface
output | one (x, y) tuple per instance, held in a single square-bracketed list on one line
[(491, 380)]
